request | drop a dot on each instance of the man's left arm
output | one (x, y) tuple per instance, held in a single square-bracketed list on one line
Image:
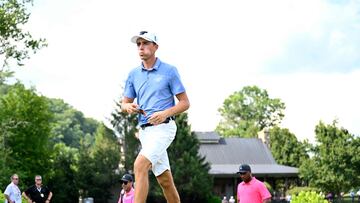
[(49, 197), (267, 200), (181, 106)]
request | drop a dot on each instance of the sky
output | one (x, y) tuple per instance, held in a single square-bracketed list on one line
[(304, 52)]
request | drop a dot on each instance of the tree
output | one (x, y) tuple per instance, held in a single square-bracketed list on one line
[(190, 171), (15, 43), (97, 167), (62, 174), (125, 126), (25, 116), (285, 147), (69, 125), (335, 164), (249, 111)]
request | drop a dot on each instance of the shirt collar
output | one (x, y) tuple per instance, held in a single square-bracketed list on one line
[(252, 180), (155, 66)]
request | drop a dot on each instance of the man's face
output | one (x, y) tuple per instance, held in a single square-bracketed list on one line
[(38, 180), (126, 185), (245, 176), (146, 49), (15, 180)]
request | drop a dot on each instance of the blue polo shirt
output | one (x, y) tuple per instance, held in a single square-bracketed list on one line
[(154, 89)]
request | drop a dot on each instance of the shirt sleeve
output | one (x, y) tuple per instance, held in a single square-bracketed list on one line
[(176, 85), (264, 192), (7, 190), (129, 90)]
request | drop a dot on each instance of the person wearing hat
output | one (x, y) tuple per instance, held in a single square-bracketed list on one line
[(251, 190), (127, 193), (154, 84)]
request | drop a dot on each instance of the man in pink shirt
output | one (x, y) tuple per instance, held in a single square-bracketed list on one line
[(251, 190), (128, 192)]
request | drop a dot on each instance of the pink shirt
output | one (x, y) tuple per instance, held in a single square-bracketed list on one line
[(128, 196), (252, 192)]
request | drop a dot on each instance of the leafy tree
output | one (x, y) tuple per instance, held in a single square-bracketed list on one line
[(249, 111), (26, 117), (69, 125), (97, 169), (335, 164), (285, 147), (15, 43), (125, 126), (62, 174), (190, 171)]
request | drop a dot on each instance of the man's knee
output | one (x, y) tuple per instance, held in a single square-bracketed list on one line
[(141, 164), (165, 180)]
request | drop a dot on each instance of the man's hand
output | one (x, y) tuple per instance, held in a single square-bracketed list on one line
[(158, 117), (130, 108)]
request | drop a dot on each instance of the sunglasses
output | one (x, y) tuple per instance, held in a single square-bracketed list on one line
[(125, 182), (242, 173)]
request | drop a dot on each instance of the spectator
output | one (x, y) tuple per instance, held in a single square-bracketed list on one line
[(127, 193), (38, 193), (12, 192)]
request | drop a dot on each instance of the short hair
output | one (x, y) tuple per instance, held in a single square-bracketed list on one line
[(38, 176), (13, 175)]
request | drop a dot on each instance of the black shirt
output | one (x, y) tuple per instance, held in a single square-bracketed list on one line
[(36, 195)]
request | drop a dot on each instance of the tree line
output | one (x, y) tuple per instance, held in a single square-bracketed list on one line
[(81, 156), (331, 164)]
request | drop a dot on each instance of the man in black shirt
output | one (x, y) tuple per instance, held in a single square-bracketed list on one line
[(38, 193)]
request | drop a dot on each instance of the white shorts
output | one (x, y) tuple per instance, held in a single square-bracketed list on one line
[(154, 142)]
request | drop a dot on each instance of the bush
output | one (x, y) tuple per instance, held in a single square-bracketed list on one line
[(296, 190), (308, 197), (214, 199), (2, 198)]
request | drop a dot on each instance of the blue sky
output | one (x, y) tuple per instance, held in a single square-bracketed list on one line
[(304, 52)]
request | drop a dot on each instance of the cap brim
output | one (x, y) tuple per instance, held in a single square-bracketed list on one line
[(241, 172), (136, 37)]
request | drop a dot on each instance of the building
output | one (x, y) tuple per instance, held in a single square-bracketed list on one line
[(226, 154)]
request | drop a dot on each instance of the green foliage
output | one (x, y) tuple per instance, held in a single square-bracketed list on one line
[(24, 118), (125, 126), (62, 175), (308, 197), (285, 147), (15, 43), (97, 166), (335, 163), (213, 199), (296, 190), (249, 111), (190, 171), (69, 125)]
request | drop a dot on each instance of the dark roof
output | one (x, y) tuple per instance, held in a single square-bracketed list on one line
[(260, 170), (227, 154), (208, 137)]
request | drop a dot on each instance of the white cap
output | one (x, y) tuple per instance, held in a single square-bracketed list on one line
[(151, 37)]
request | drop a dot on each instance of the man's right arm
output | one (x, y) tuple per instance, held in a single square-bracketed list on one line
[(8, 198), (128, 106)]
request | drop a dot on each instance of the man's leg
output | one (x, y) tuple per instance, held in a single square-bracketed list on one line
[(167, 184), (141, 168)]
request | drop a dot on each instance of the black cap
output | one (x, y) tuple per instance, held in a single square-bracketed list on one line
[(127, 177), (244, 168)]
